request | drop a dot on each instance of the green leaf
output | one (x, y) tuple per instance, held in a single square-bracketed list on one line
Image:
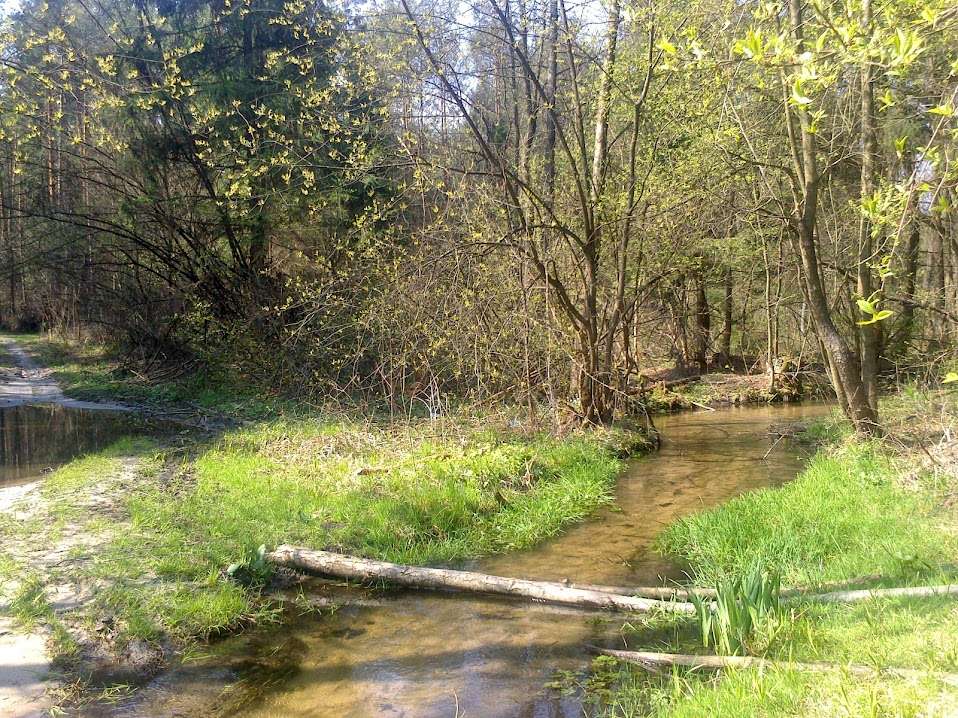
[(950, 378), (798, 98), (877, 317), (900, 144), (667, 47), (943, 110)]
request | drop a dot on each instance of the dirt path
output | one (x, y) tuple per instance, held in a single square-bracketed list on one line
[(27, 383), (27, 677), (24, 668)]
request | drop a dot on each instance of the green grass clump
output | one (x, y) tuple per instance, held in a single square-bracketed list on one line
[(752, 693), (845, 516), (29, 604), (687, 694), (426, 502), (407, 493)]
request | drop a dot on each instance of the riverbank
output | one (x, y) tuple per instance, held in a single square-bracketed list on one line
[(127, 557), (884, 510), (89, 372)]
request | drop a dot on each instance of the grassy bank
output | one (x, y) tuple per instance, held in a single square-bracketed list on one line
[(176, 511), (403, 494), (860, 509)]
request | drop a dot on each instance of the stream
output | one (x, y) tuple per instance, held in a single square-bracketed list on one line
[(419, 654), (36, 439)]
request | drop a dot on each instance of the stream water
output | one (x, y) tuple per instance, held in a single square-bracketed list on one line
[(419, 654), (35, 439)]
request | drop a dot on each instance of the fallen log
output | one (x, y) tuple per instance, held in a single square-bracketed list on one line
[(650, 660), (817, 594), (341, 566), (869, 593), (680, 593), (661, 593)]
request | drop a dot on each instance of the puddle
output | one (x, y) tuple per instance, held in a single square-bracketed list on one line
[(418, 654), (36, 439)]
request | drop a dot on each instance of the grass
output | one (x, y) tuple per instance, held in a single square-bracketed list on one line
[(859, 508), (421, 492), (92, 372), (409, 497), (412, 491), (841, 518)]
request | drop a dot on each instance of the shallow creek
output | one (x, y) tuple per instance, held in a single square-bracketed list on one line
[(420, 654), (36, 439)]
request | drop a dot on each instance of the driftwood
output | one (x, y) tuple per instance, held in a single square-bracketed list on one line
[(341, 566), (679, 593), (620, 598), (869, 593), (650, 660), (661, 593)]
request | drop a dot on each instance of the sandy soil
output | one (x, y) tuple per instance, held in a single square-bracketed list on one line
[(26, 676), (24, 668)]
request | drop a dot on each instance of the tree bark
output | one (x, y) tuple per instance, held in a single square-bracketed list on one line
[(866, 594), (870, 333), (726, 345), (843, 362), (703, 322), (360, 569), (812, 594)]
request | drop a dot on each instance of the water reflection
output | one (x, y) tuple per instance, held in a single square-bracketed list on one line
[(34, 439)]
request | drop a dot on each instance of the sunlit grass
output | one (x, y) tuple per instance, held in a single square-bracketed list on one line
[(412, 502), (418, 492), (848, 515), (843, 517)]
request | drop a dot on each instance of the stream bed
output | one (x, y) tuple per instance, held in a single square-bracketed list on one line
[(418, 654)]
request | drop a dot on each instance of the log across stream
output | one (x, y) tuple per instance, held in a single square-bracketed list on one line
[(640, 599), (409, 652), (351, 567)]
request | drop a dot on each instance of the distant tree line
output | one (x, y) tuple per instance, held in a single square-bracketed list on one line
[(515, 199)]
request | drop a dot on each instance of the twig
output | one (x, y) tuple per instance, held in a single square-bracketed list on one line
[(772, 447)]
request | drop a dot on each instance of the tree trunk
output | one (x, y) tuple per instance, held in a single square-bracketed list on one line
[(360, 569), (727, 306), (870, 333), (902, 337), (843, 362), (595, 381), (703, 322)]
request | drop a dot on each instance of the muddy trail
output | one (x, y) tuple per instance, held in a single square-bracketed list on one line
[(40, 429), (420, 654)]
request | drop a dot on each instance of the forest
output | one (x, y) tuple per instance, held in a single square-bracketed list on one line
[(296, 287), (524, 202)]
